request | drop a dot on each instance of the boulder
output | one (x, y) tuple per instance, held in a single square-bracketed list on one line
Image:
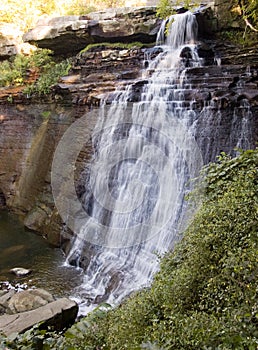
[(28, 300), (57, 314), (11, 41), (4, 299), (20, 271), (70, 34)]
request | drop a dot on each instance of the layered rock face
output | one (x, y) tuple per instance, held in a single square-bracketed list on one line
[(29, 136), (70, 34), (31, 130)]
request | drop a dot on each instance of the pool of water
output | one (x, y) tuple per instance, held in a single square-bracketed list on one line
[(22, 248)]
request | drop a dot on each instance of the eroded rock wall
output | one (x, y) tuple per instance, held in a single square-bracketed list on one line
[(31, 130), (28, 139)]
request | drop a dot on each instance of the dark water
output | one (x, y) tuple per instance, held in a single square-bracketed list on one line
[(22, 248)]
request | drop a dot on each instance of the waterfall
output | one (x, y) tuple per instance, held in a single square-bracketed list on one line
[(145, 155)]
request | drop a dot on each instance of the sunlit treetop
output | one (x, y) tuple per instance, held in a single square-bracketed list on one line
[(26, 13)]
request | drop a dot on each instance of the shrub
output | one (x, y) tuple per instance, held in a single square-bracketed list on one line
[(14, 72), (40, 63), (50, 74)]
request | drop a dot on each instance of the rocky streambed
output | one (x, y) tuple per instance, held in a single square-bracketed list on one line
[(40, 291)]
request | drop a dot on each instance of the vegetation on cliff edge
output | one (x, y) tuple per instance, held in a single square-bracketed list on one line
[(243, 11), (38, 72), (206, 293)]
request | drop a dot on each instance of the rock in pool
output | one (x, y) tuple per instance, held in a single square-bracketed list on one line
[(20, 271)]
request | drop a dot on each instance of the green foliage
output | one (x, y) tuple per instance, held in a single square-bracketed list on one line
[(41, 58), (16, 72), (125, 46), (30, 340), (50, 74), (205, 295), (25, 14), (249, 9), (165, 8), (46, 114)]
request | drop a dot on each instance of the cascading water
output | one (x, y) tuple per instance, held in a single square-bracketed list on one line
[(145, 155)]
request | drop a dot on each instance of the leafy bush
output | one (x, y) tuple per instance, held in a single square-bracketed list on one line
[(13, 72), (50, 74), (17, 71), (205, 295)]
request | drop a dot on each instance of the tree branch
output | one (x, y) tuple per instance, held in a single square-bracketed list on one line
[(248, 24)]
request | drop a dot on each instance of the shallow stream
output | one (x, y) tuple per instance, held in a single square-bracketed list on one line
[(22, 248)]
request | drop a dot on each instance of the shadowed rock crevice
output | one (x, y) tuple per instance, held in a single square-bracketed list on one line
[(2, 200)]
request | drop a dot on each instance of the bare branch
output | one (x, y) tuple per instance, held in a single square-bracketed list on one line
[(248, 24)]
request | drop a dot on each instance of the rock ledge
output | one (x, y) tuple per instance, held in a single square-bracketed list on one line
[(70, 34), (23, 310)]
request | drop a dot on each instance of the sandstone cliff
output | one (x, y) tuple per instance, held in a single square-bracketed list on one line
[(31, 129)]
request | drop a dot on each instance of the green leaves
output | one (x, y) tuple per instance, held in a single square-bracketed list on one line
[(165, 8), (50, 74), (46, 72)]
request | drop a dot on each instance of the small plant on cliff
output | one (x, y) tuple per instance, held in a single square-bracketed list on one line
[(122, 46), (165, 8), (14, 72), (48, 76), (38, 71)]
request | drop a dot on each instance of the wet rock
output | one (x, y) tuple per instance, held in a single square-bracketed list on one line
[(56, 314), (29, 300), (136, 90), (206, 53), (20, 271), (4, 299)]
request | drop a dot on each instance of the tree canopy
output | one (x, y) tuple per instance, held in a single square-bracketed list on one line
[(25, 13)]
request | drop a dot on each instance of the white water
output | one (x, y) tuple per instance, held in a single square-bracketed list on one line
[(145, 155)]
